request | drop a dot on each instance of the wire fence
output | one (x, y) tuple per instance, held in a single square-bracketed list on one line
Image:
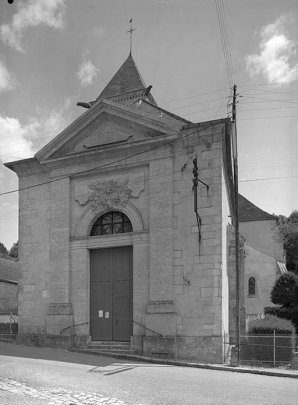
[(270, 350)]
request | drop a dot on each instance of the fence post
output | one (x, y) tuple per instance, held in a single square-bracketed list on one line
[(274, 348)]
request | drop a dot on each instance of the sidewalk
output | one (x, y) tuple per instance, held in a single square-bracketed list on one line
[(59, 354), (276, 372)]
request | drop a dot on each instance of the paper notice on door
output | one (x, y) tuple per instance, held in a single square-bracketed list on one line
[(107, 315), (100, 313)]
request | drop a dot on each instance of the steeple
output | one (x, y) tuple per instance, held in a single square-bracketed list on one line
[(126, 80)]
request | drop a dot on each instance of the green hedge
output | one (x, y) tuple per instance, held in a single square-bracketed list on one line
[(269, 324), (284, 313)]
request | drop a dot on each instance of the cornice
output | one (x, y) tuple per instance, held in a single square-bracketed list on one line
[(104, 153)]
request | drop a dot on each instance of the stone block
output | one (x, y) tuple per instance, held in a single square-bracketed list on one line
[(178, 261), (208, 319), (29, 288), (178, 270), (212, 242), (207, 292), (178, 289), (210, 250), (207, 282), (45, 294), (211, 154), (59, 309), (177, 253), (176, 198), (178, 280)]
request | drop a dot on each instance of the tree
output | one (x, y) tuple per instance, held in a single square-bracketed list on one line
[(3, 251), (284, 291), (289, 230), (14, 251), (285, 295)]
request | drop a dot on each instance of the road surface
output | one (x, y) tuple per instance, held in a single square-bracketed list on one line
[(40, 376)]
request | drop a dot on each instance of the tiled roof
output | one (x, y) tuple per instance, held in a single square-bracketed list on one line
[(127, 79), (9, 270), (250, 212)]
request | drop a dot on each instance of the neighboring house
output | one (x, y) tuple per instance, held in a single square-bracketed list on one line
[(109, 242), (264, 255), (9, 277)]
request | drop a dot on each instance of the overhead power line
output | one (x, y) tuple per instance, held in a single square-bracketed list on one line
[(225, 41)]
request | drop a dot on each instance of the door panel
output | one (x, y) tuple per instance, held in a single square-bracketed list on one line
[(101, 294), (111, 294), (123, 294)]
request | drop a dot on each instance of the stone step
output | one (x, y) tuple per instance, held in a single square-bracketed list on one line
[(108, 342), (126, 355), (109, 347), (113, 351)]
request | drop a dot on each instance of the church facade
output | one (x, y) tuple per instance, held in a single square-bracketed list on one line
[(113, 244)]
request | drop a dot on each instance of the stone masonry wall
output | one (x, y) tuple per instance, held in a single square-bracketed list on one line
[(197, 263), (34, 253)]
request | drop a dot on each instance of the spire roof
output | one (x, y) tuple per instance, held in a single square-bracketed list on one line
[(126, 80)]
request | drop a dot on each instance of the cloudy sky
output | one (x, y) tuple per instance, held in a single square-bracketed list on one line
[(54, 53)]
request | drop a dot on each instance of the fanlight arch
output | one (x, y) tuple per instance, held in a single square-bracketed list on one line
[(112, 222), (84, 226)]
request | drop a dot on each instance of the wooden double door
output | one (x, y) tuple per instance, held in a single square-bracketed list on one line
[(111, 283)]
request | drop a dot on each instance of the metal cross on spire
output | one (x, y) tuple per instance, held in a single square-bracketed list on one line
[(131, 31)]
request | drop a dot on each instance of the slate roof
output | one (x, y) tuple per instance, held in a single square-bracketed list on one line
[(9, 270), (126, 80), (250, 212)]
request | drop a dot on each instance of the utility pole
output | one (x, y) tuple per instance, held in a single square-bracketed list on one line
[(235, 161)]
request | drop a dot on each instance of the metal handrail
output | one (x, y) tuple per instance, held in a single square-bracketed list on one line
[(73, 326), (147, 328), (86, 323)]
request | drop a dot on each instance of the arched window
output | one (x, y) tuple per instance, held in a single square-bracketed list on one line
[(111, 223), (251, 286)]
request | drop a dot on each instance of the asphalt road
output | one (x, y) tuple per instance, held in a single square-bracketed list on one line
[(30, 375)]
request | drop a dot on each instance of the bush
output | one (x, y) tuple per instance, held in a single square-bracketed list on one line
[(290, 314), (269, 324)]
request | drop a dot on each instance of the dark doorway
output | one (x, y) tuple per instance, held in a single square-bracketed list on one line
[(111, 294)]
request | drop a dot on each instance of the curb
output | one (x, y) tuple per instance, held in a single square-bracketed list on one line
[(182, 363)]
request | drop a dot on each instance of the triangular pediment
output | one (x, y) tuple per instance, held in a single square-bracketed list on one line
[(105, 125)]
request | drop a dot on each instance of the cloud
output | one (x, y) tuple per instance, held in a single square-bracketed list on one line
[(20, 141), (87, 72), (276, 51), (6, 79), (32, 14)]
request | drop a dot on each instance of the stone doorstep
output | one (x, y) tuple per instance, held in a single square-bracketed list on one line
[(109, 347), (108, 342)]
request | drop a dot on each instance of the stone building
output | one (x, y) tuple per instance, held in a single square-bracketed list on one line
[(109, 243), (264, 255)]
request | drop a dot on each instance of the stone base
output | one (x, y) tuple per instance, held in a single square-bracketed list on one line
[(53, 341), (137, 343), (203, 349)]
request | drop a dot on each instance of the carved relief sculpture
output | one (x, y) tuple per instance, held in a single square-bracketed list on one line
[(109, 194)]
